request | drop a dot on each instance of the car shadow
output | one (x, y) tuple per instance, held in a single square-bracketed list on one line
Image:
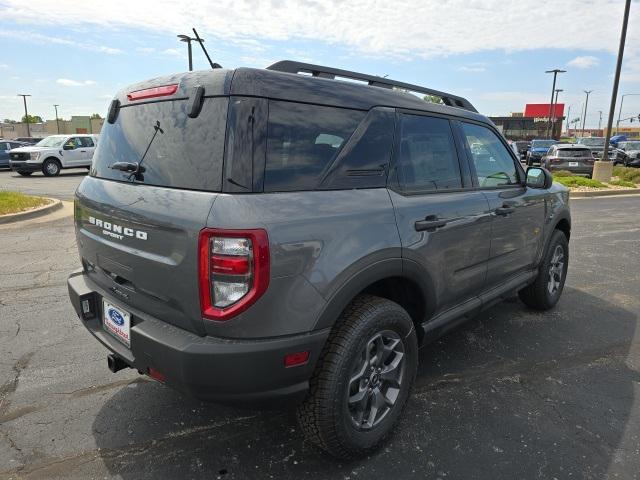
[(511, 394), (72, 172)]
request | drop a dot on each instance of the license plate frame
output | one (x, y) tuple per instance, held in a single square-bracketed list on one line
[(573, 164), (116, 321)]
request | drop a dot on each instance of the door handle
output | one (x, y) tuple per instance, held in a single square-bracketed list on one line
[(430, 224), (83, 151), (505, 210)]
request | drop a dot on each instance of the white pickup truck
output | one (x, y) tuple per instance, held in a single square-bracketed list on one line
[(54, 153)]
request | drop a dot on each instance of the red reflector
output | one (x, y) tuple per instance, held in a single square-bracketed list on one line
[(228, 265), (163, 91), (294, 359), (156, 375)]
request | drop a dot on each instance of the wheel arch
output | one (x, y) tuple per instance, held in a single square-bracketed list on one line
[(399, 280)]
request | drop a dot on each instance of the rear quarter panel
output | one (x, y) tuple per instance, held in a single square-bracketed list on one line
[(318, 241)]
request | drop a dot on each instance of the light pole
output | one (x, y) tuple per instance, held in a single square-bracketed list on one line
[(600, 120), (584, 115), (57, 121), (568, 119), (187, 39), (553, 112), (620, 111), (555, 72), (26, 114), (603, 170)]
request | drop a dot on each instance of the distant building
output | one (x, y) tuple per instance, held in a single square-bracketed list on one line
[(77, 124), (532, 123)]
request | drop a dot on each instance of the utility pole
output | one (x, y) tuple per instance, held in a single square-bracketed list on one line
[(568, 119), (57, 121), (26, 114), (584, 116), (555, 72), (602, 170)]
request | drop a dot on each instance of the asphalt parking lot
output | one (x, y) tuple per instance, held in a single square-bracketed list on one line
[(512, 394), (61, 187)]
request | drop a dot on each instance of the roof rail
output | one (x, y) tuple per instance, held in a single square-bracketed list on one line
[(290, 66)]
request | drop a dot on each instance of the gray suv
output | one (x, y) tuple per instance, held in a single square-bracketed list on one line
[(251, 236)]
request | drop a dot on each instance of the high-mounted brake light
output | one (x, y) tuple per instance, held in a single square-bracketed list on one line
[(233, 270), (163, 91)]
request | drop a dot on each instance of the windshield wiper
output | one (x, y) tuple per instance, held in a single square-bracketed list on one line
[(135, 168)]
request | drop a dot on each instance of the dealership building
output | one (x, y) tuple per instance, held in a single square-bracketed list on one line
[(533, 122)]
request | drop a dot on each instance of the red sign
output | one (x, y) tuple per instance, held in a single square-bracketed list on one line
[(542, 110)]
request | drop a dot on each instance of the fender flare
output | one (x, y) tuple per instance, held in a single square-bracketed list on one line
[(383, 269)]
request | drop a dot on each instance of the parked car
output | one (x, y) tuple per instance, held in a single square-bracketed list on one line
[(54, 153), (5, 147), (576, 159), (596, 144), (259, 235), (538, 148), (29, 140), (628, 153)]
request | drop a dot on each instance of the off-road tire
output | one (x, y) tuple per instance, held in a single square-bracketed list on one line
[(537, 295), (324, 415)]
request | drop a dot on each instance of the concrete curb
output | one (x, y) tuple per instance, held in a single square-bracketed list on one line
[(36, 212), (605, 193)]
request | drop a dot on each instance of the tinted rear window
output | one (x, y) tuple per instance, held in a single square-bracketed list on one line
[(181, 152), (574, 152), (302, 142)]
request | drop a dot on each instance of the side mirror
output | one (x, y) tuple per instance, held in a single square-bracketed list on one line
[(539, 178), (68, 147)]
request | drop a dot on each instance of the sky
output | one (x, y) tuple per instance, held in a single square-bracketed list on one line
[(493, 52)]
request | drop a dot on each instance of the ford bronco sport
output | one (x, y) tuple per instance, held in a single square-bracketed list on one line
[(256, 235)]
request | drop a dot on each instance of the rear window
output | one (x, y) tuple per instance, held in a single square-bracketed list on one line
[(574, 152), (176, 151), (303, 140)]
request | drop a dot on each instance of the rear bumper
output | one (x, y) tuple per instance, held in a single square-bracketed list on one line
[(580, 170), (208, 368), (23, 166)]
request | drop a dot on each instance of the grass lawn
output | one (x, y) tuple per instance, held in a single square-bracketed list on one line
[(13, 202), (622, 177)]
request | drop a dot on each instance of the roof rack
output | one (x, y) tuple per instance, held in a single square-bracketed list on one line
[(290, 66)]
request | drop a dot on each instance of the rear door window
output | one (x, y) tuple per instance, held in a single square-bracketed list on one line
[(86, 142), (175, 150), (428, 159), (303, 140)]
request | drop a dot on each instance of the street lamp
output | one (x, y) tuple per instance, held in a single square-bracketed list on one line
[(553, 112), (187, 39), (555, 72), (600, 120), (620, 111), (584, 116), (26, 114), (568, 119), (57, 121)]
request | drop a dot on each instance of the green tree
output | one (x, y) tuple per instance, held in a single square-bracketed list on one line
[(95, 115), (32, 119), (432, 99)]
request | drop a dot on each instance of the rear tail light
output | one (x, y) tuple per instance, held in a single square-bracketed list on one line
[(233, 271), (162, 91)]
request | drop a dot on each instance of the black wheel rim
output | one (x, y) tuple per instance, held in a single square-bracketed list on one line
[(376, 379)]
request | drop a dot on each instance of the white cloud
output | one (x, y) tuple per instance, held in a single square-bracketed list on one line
[(3, 66), (386, 29), (67, 82), (473, 67), (38, 38), (586, 61), (145, 49), (173, 52)]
